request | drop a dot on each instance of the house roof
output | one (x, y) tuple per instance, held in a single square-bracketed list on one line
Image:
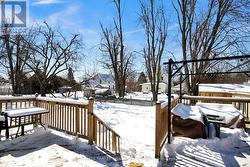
[(224, 88)]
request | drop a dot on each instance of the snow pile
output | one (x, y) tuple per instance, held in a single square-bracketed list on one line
[(225, 151)]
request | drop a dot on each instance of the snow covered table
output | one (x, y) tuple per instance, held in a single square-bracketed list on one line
[(220, 114), (231, 115), (23, 116)]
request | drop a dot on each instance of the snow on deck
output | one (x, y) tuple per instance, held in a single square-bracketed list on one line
[(53, 148), (232, 149)]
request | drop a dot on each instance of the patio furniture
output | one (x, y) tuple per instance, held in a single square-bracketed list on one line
[(23, 116), (187, 121), (217, 121), (226, 113)]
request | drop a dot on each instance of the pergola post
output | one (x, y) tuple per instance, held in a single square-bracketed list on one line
[(180, 85), (170, 61)]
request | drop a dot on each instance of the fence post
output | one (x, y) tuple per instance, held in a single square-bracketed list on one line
[(90, 121), (157, 129)]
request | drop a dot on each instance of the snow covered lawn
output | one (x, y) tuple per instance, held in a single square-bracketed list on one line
[(145, 96)]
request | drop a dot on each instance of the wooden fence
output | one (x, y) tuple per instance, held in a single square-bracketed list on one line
[(69, 116), (161, 125)]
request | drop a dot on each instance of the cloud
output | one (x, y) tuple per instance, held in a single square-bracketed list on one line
[(46, 2), (133, 31), (64, 17)]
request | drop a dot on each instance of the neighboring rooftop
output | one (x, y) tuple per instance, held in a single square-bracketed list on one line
[(224, 88)]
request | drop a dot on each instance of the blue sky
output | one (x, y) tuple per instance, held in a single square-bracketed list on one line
[(84, 16)]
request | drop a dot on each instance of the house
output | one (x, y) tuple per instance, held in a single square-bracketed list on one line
[(97, 83), (5, 87), (146, 87)]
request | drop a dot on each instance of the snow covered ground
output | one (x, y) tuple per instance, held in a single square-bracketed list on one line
[(147, 96), (135, 125)]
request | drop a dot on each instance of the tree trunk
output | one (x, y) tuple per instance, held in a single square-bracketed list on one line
[(43, 89), (154, 96)]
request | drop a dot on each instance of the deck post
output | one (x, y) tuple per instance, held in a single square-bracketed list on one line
[(157, 129), (90, 121)]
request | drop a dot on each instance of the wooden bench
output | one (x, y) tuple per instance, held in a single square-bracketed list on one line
[(23, 116)]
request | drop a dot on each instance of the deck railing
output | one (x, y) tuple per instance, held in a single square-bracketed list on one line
[(161, 125), (70, 116)]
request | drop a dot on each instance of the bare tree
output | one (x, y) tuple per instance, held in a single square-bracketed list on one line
[(14, 55), (53, 54), (154, 21), (219, 28), (116, 57)]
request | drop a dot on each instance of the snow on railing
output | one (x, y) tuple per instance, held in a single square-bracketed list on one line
[(8, 98), (66, 101)]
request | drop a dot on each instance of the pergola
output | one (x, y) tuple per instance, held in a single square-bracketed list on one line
[(172, 73)]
